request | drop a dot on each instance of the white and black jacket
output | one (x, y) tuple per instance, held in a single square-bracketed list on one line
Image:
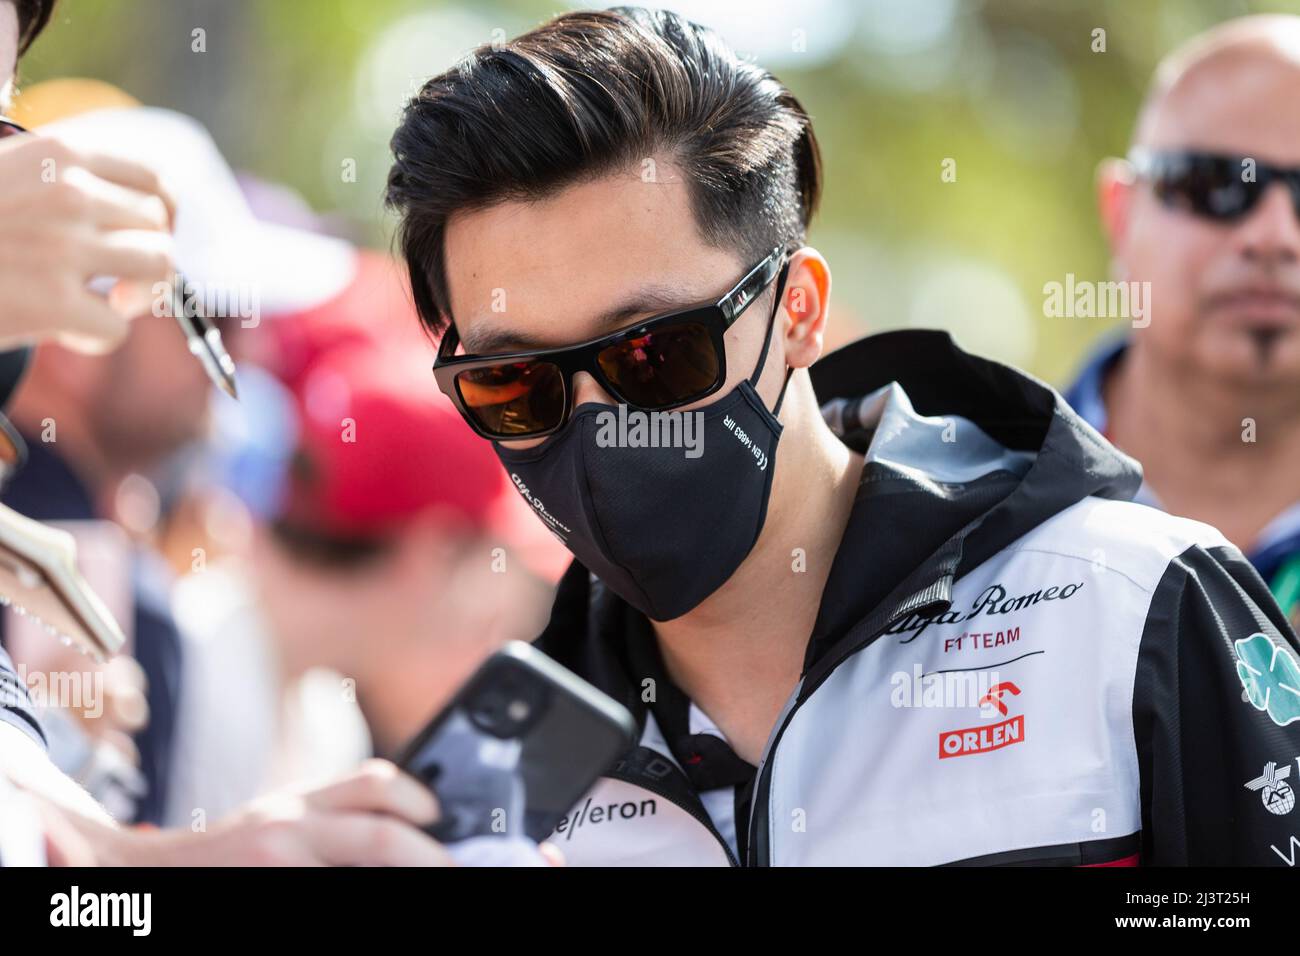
[(1047, 673)]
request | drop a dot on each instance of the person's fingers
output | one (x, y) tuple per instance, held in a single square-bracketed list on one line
[(371, 839), (133, 175), (123, 671), (64, 845), (120, 741), (89, 324), (379, 787), (107, 205), (127, 709), (125, 701), (133, 298), (35, 160), (551, 853), (127, 254)]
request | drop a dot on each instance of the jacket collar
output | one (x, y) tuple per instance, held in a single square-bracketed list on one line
[(1070, 462)]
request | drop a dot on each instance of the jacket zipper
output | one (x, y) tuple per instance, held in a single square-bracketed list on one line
[(760, 853)]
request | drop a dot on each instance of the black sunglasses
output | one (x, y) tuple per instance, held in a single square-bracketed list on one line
[(9, 128), (662, 363), (1214, 186)]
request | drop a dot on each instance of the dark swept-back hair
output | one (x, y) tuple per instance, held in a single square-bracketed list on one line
[(588, 93), (33, 15)]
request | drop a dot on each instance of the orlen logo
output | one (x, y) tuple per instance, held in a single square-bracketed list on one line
[(994, 697), (978, 740)]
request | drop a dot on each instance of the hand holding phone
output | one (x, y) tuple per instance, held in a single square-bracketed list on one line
[(517, 747)]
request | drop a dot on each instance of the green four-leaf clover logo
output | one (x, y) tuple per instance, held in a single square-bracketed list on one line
[(1271, 676)]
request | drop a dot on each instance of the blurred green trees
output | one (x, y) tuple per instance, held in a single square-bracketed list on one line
[(1014, 94)]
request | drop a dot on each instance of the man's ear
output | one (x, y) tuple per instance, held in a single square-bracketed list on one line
[(805, 307), (1115, 182)]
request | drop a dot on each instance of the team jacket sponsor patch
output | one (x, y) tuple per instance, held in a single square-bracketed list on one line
[(1271, 677), (978, 740)]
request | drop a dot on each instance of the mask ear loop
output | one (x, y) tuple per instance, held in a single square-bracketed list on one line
[(776, 411), (767, 341)]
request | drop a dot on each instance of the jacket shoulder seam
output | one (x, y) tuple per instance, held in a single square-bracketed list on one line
[(1145, 589)]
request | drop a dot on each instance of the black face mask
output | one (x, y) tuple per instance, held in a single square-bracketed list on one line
[(662, 530)]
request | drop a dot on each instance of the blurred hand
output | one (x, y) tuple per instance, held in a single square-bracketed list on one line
[(105, 702), (371, 818), (498, 850), (66, 217)]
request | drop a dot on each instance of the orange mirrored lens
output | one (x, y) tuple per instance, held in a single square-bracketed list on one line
[(517, 398)]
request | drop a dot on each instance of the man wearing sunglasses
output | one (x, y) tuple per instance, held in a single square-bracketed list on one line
[(898, 609), (1207, 210)]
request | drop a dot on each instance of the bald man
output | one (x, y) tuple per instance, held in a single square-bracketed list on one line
[(1207, 210)]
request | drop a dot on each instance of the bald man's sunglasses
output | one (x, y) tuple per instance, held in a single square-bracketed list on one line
[(1217, 186), (659, 364)]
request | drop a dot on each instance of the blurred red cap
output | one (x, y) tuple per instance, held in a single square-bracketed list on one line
[(379, 445), (374, 307)]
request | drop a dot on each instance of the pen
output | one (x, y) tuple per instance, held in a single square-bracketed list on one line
[(204, 340)]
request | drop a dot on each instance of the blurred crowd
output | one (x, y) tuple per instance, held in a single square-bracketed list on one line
[(304, 575)]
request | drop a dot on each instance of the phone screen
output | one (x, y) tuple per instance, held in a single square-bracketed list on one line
[(512, 753)]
